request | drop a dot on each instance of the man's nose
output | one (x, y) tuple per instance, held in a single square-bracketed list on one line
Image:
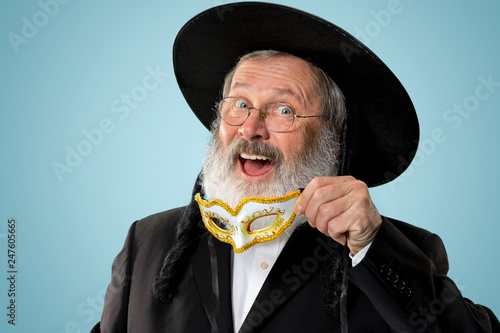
[(254, 126)]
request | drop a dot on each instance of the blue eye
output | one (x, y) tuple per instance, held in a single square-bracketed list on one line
[(241, 104), (284, 111)]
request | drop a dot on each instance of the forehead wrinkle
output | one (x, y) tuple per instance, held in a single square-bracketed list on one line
[(296, 87), (276, 90)]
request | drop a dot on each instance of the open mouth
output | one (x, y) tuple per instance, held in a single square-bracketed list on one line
[(255, 165)]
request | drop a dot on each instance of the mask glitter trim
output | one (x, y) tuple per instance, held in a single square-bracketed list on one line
[(241, 237)]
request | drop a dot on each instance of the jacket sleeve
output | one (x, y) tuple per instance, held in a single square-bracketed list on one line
[(115, 312), (404, 277)]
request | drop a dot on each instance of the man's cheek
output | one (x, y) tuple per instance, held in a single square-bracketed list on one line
[(227, 134)]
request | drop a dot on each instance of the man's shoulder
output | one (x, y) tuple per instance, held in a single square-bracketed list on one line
[(409, 230), (416, 235), (397, 233), (158, 225)]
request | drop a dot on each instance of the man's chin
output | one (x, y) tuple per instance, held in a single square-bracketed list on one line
[(253, 186)]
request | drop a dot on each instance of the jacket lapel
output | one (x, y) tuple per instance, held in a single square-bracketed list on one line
[(223, 251), (300, 260), (218, 311)]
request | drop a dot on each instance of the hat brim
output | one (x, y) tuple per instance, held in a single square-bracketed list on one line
[(382, 128)]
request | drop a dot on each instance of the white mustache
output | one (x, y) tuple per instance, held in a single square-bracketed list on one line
[(243, 146)]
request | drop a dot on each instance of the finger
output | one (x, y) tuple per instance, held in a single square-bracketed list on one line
[(328, 211), (336, 229), (337, 199), (360, 221), (333, 213), (310, 192), (328, 202)]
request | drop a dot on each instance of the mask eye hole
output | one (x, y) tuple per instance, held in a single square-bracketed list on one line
[(223, 225), (262, 222), (219, 221)]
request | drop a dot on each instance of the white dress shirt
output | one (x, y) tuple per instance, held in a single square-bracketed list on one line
[(250, 270)]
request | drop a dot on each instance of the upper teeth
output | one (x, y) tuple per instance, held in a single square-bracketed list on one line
[(253, 157)]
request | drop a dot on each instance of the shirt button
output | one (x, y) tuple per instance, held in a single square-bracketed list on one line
[(264, 265)]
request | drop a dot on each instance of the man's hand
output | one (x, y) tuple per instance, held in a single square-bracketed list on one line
[(335, 205)]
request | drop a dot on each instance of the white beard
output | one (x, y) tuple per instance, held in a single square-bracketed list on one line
[(319, 158)]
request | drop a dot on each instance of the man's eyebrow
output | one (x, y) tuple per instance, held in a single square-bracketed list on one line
[(238, 84), (277, 90), (283, 91)]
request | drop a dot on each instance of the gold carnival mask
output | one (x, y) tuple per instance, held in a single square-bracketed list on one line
[(239, 220)]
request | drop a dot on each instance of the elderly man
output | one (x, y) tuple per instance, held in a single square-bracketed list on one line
[(280, 126)]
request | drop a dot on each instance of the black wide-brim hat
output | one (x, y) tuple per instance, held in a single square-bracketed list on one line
[(381, 133)]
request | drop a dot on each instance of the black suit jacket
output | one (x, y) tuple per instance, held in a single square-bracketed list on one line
[(400, 286)]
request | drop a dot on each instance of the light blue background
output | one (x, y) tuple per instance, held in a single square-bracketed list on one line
[(87, 54)]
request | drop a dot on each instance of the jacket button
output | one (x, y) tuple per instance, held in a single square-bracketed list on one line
[(393, 278), (406, 292), (385, 269), (399, 285)]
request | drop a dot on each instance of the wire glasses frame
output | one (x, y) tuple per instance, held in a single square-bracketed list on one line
[(276, 116)]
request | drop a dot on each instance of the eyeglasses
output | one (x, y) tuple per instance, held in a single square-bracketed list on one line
[(277, 117)]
